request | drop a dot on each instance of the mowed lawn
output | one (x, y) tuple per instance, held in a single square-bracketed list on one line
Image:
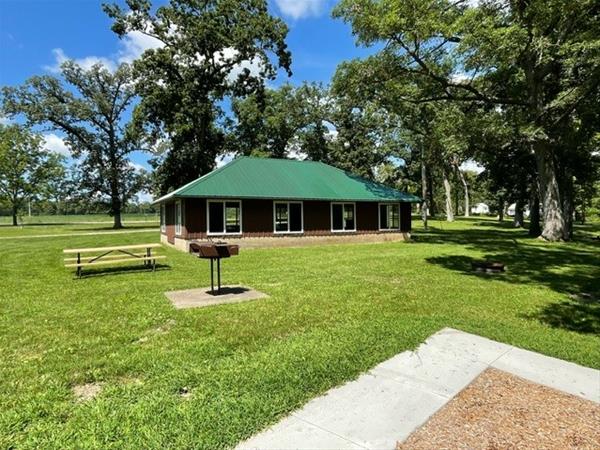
[(333, 312)]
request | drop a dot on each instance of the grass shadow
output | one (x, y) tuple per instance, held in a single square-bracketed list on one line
[(101, 272), (570, 315), (572, 269)]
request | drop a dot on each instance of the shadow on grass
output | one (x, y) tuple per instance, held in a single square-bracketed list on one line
[(113, 271), (571, 269), (571, 315)]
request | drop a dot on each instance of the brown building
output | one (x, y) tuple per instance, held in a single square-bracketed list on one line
[(278, 198)]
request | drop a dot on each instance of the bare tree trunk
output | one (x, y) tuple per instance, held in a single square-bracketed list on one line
[(555, 227), (534, 213), (14, 215), (424, 193), (461, 176), (501, 209), (519, 221), (448, 191)]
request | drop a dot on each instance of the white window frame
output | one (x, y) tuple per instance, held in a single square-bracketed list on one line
[(163, 218), (224, 232), (331, 216), (278, 202), (178, 217), (379, 216)]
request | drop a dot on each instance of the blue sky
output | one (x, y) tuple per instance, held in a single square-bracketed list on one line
[(36, 35)]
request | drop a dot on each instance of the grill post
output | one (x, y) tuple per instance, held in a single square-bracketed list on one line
[(212, 277)]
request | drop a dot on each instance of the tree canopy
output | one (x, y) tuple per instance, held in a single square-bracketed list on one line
[(89, 107), (207, 52)]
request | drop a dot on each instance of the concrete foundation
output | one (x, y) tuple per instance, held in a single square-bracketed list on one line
[(294, 241)]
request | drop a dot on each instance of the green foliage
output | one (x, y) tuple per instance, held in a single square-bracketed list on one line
[(88, 107), (207, 52), (27, 171), (316, 123), (333, 312), (538, 62)]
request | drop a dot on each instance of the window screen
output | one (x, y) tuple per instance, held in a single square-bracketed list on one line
[(389, 216), (281, 217), (295, 216), (232, 217), (215, 214), (337, 217), (349, 217), (178, 217)]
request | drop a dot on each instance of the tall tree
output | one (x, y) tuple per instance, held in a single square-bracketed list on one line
[(89, 108), (539, 57), (26, 169), (206, 52)]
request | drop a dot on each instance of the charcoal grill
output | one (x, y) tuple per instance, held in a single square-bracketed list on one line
[(214, 251)]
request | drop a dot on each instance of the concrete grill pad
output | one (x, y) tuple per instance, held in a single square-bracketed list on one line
[(202, 297)]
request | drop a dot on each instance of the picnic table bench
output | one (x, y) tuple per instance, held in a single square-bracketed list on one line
[(100, 256)]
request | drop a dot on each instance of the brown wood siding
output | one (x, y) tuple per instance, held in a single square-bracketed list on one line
[(170, 222), (316, 217), (194, 223), (405, 217), (367, 216), (257, 218)]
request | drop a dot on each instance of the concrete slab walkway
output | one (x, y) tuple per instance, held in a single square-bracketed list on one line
[(389, 402)]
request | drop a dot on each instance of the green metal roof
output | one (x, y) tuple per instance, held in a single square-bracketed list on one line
[(247, 177)]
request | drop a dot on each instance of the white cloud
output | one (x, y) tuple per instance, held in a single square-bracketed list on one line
[(4, 120), (224, 159), (298, 9), (144, 197), (86, 63), (56, 144), (134, 44), (472, 166), (137, 167)]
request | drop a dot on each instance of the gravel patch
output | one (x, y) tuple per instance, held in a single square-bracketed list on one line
[(502, 411)]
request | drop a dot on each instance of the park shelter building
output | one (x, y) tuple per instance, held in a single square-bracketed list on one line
[(277, 198)]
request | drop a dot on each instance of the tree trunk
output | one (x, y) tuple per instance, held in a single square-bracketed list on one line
[(448, 191), (534, 213), (501, 210), (424, 193), (555, 227), (117, 220), (461, 176), (519, 221), (14, 215), (431, 203)]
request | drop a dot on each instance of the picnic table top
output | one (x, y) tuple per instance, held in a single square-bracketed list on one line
[(107, 249)]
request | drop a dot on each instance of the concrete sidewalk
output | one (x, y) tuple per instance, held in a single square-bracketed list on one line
[(389, 402)]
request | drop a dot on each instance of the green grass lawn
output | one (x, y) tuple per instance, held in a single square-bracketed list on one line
[(333, 312)]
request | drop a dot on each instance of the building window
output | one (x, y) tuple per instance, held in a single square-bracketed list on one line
[(224, 217), (389, 216), (288, 217), (163, 218), (343, 217), (178, 218)]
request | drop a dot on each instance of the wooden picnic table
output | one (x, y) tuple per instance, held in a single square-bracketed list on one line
[(106, 255)]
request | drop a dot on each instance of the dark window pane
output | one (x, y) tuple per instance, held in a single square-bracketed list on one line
[(215, 213), (394, 216), (281, 217), (295, 217), (349, 217), (337, 215), (232, 217), (383, 217)]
